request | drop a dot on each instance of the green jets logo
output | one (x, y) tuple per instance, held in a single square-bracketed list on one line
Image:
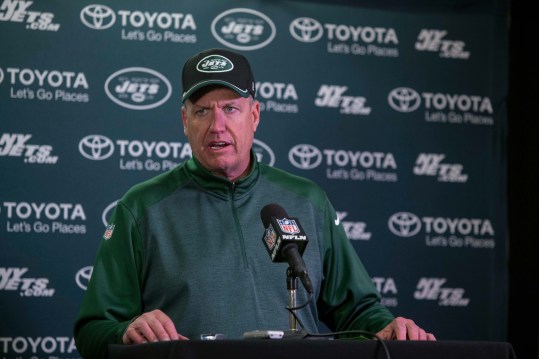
[(215, 63)]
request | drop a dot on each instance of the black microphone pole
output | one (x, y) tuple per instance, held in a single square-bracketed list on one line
[(292, 286)]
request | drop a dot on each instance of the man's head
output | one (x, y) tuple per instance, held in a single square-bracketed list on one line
[(220, 114), (218, 67)]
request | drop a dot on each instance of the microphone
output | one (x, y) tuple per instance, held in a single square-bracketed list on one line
[(285, 241)]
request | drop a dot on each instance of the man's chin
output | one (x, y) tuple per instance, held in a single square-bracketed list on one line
[(217, 166)]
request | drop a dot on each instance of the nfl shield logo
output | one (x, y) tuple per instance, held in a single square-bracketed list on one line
[(270, 237), (288, 225), (108, 231)]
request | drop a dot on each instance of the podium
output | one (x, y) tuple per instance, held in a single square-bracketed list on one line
[(312, 349)]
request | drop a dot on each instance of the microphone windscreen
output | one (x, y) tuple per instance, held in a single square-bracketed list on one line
[(271, 210)]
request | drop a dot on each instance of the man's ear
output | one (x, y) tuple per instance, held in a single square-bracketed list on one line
[(184, 120), (255, 110)]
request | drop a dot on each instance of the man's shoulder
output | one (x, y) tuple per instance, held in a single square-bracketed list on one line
[(279, 175), (300, 185), (156, 188)]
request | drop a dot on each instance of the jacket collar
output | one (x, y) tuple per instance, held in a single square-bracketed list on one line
[(222, 186)]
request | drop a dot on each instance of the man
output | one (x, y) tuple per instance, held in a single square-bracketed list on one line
[(183, 255)]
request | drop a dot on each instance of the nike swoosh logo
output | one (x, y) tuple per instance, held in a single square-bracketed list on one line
[(337, 221)]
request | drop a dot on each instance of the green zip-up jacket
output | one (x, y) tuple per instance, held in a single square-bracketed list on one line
[(190, 244)]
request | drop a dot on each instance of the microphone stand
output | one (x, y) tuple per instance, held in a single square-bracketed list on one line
[(292, 286)]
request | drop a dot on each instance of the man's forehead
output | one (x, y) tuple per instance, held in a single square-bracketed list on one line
[(212, 90), (219, 96)]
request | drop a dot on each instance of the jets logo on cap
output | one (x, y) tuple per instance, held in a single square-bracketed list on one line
[(215, 63)]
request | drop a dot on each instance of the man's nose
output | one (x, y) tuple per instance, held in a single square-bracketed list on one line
[(218, 121)]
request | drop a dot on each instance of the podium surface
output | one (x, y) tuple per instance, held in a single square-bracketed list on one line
[(312, 349)]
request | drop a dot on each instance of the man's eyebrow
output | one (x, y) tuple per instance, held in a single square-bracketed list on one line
[(198, 106), (231, 102), (221, 103)]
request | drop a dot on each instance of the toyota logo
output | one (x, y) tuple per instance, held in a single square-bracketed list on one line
[(404, 99), (404, 224), (306, 29), (97, 17), (83, 277), (96, 147), (305, 157)]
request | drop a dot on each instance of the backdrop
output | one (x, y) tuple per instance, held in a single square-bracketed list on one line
[(398, 112)]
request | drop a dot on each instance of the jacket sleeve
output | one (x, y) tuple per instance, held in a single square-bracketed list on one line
[(113, 297), (348, 298)]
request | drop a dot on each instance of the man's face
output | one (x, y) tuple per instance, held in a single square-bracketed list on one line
[(220, 127)]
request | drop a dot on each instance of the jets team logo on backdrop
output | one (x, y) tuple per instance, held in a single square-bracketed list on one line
[(16, 145), (243, 29), (333, 96), (431, 289), (15, 279), (432, 40), (97, 17), (138, 88), (263, 152), (430, 164), (355, 230), (288, 225), (20, 12)]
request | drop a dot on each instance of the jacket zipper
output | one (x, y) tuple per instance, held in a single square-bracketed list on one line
[(238, 225)]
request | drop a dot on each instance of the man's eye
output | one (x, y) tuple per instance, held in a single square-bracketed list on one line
[(202, 111), (229, 109)]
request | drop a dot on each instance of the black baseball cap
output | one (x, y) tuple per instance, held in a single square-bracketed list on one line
[(218, 67)]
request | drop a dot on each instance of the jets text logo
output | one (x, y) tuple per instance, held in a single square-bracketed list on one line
[(332, 96), (430, 164), (14, 280), (16, 145), (433, 289), (20, 12), (433, 40)]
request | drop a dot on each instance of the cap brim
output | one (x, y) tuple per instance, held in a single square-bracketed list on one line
[(198, 86)]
